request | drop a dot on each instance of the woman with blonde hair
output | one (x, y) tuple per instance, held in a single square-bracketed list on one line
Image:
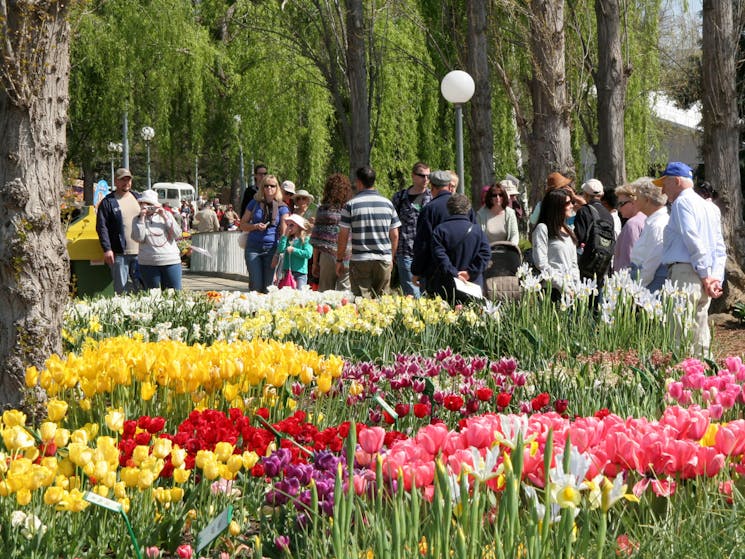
[(264, 222)]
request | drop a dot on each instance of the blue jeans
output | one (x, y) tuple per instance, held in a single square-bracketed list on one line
[(260, 270), (123, 272), (163, 277), (404, 276), (300, 279)]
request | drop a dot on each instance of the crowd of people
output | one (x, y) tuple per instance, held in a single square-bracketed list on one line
[(659, 229)]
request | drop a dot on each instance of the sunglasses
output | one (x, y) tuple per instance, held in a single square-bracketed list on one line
[(270, 186), (423, 175), (568, 203), (622, 204)]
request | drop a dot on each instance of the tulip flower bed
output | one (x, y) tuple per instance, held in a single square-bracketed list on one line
[(343, 428)]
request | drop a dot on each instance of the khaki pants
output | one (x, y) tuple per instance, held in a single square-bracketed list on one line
[(327, 279), (370, 278), (685, 274)]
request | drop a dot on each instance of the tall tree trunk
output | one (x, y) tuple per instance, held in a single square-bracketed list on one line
[(359, 148), (550, 140), (480, 136), (34, 268), (610, 82), (721, 137)]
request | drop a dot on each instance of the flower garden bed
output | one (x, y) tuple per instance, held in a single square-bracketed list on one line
[(330, 427)]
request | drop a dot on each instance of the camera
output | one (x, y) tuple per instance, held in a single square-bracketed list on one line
[(150, 210)]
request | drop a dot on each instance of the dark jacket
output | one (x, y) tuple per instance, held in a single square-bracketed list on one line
[(430, 217), (109, 224), (455, 248)]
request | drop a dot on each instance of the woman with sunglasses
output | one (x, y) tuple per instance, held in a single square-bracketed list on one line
[(264, 222), (496, 218), (554, 243)]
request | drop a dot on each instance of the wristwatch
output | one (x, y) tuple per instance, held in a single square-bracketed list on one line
[(339, 260)]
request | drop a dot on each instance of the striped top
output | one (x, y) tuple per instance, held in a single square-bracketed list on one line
[(326, 229), (370, 217)]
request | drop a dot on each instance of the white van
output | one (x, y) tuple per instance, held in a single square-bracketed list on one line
[(173, 192)]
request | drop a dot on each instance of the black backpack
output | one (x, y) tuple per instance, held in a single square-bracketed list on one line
[(596, 258)]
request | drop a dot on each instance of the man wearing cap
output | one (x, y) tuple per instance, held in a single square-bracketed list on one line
[(370, 220), (443, 185), (589, 214), (114, 218), (409, 203), (693, 247)]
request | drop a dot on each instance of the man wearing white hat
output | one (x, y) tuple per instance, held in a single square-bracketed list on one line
[(114, 227), (595, 250)]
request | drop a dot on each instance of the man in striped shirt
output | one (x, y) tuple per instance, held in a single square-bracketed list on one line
[(371, 221)]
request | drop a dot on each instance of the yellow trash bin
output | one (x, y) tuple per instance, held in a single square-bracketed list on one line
[(90, 276)]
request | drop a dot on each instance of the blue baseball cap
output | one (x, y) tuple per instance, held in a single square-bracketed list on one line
[(675, 169)]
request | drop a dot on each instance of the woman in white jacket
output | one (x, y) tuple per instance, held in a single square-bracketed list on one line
[(157, 232), (554, 243)]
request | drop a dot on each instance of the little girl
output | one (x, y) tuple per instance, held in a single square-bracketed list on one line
[(296, 248)]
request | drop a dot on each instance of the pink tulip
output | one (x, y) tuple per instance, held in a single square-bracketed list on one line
[(184, 551), (432, 438), (371, 439), (152, 552)]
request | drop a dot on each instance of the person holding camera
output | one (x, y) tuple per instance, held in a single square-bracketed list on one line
[(157, 232), (264, 220)]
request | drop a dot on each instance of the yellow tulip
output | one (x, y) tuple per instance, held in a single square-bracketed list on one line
[(249, 459), (178, 457), (223, 451), (140, 454), (181, 475), (147, 391), (17, 438), (115, 420), (32, 377), (234, 528), (61, 438), (56, 409), (145, 479), (13, 418), (177, 494), (79, 436), (162, 448), (53, 495), (47, 430), (23, 497), (234, 463), (211, 470)]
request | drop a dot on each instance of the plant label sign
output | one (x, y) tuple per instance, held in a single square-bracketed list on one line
[(96, 499), (386, 406), (214, 528)]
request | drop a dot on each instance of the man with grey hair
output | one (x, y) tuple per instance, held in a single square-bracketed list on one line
[(646, 254), (694, 248), (627, 205), (442, 184), (459, 249)]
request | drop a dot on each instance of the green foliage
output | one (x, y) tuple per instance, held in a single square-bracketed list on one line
[(191, 68)]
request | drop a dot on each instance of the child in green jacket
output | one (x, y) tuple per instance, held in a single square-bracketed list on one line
[(296, 249)]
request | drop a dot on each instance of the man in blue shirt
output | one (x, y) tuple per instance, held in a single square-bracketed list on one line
[(694, 248)]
